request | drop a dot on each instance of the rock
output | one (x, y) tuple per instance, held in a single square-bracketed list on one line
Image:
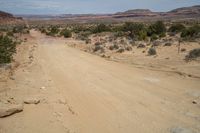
[(12, 78), (103, 55), (128, 48), (156, 43), (194, 102), (121, 50), (180, 130), (43, 88), (62, 101), (168, 44), (141, 46), (183, 50), (10, 109), (113, 47), (31, 101)]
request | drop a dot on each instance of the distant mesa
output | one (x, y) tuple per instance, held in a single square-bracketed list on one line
[(135, 13)]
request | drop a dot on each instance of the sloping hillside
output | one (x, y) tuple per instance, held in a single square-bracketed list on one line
[(8, 18), (193, 11)]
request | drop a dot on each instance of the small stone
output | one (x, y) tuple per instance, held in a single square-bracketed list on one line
[(10, 109), (31, 101), (62, 101), (141, 46), (12, 78), (194, 102), (43, 88)]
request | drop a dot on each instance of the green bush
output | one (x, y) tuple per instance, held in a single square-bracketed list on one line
[(20, 29), (43, 30), (157, 28), (66, 33), (82, 28), (7, 48), (101, 28), (142, 35), (191, 32), (84, 35), (119, 34), (10, 33), (154, 37), (135, 30), (176, 28), (52, 31)]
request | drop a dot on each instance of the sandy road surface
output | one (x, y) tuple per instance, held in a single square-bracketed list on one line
[(83, 93)]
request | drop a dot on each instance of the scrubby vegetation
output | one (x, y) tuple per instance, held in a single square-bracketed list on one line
[(9, 38), (66, 33), (191, 32), (135, 30), (193, 54), (52, 31), (157, 29), (177, 28), (101, 28), (122, 37), (7, 48)]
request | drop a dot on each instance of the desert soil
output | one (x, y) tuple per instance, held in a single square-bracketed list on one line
[(83, 93)]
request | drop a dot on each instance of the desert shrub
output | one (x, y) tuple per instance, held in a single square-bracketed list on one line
[(117, 28), (83, 35), (7, 48), (152, 51), (176, 28), (52, 31), (193, 54), (154, 37), (142, 35), (162, 35), (66, 33), (42, 30), (10, 33), (20, 29), (191, 32), (119, 34), (101, 28), (82, 28), (157, 28), (135, 30)]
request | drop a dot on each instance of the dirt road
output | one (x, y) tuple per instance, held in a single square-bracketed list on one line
[(83, 93)]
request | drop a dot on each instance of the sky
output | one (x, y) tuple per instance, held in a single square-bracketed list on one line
[(89, 6)]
